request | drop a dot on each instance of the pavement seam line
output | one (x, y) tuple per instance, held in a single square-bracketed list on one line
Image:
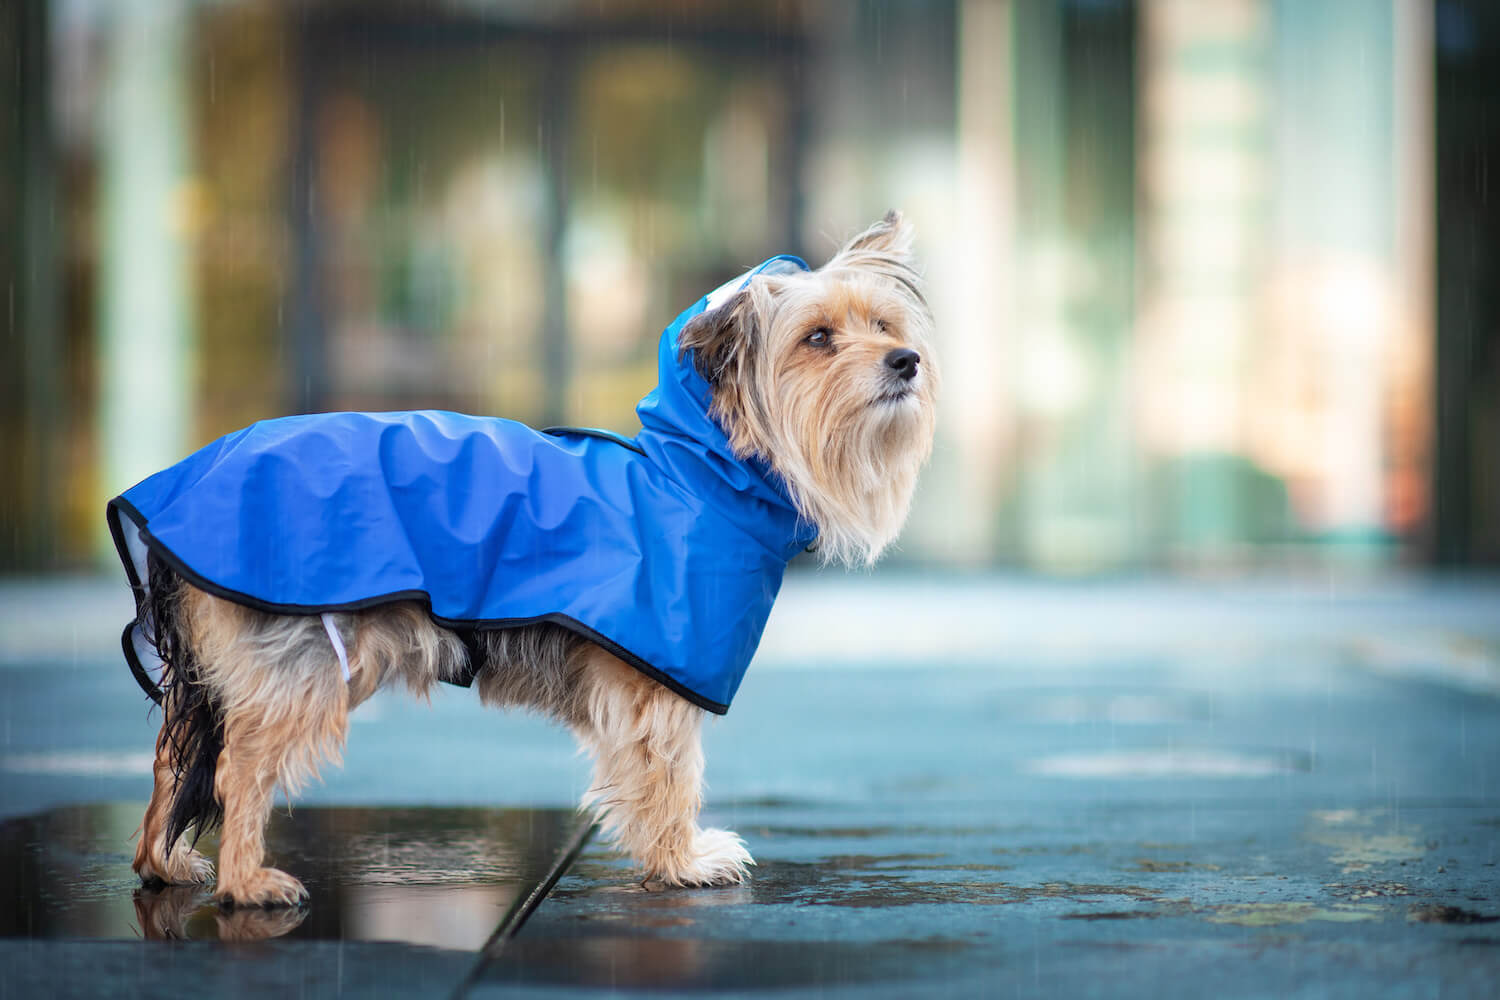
[(522, 909)]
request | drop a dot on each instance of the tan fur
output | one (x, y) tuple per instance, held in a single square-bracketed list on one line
[(648, 777), (845, 434)]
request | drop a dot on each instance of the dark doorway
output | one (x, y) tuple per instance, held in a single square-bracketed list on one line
[(1467, 469)]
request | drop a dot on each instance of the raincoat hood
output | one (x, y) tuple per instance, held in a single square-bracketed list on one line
[(679, 435), (665, 549)]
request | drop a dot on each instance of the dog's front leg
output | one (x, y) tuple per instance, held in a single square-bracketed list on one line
[(648, 778)]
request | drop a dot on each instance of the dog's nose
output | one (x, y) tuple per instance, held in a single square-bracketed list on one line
[(903, 361)]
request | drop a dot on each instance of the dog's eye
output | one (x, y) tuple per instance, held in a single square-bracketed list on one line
[(821, 337), (880, 325)]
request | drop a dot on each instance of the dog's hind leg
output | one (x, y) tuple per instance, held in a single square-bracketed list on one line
[(271, 742), (272, 737), (155, 860), (284, 705), (648, 777)]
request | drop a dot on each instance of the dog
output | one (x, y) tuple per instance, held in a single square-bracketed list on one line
[(795, 407)]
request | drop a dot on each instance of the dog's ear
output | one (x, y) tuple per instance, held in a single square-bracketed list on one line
[(890, 237), (721, 339), (884, 249), (724, 341)]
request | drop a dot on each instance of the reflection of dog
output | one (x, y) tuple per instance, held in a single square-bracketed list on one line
[(825, 378), (164, 913)]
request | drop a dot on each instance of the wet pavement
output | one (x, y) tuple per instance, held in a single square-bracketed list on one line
[(1146, 791), (440, 877), (1092, 900)]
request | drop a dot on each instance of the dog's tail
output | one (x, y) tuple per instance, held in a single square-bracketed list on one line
[(193, 723)]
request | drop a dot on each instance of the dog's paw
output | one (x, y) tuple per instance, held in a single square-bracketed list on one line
[(719, 857), (184, 866), (264, 887)]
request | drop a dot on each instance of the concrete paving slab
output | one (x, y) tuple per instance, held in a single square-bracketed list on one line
[(274, 968), (1290, 825), (982, 787), (1088, 900)]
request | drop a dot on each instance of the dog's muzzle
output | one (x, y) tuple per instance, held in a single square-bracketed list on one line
[(900, 373), (903, 362)]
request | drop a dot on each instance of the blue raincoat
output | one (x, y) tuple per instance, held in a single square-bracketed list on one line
[(667, 550)]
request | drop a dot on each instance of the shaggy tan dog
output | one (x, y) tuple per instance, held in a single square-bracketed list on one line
[(827, 376)]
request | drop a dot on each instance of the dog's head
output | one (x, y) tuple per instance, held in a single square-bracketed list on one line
[(828, 376)]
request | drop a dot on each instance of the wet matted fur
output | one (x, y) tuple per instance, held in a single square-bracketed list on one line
[(827, 376)]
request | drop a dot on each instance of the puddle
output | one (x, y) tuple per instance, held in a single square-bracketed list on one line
[(1152, 865), (882, 832), (438, 877), (1276, 914), (1062, 850), (862, 881), (1175, 762), (1367, 890), (1447, 915), (1355, 847), (1152, 910), (1357, 852)]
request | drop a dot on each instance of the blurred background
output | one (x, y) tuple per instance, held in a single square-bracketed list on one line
[(1217, 282)]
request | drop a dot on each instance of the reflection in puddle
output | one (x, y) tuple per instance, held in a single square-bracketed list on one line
[(438, 877), (444, 917), (1172, 762), (183, 913)]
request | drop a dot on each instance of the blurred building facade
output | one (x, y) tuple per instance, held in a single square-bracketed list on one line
[(1214, 279)]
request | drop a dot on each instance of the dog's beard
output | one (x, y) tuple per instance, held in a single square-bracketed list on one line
[(852, 467)]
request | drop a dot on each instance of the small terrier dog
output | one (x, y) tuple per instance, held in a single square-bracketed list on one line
[(826, 377)]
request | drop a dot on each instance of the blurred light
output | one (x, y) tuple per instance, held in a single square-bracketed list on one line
[(1054, 373)]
